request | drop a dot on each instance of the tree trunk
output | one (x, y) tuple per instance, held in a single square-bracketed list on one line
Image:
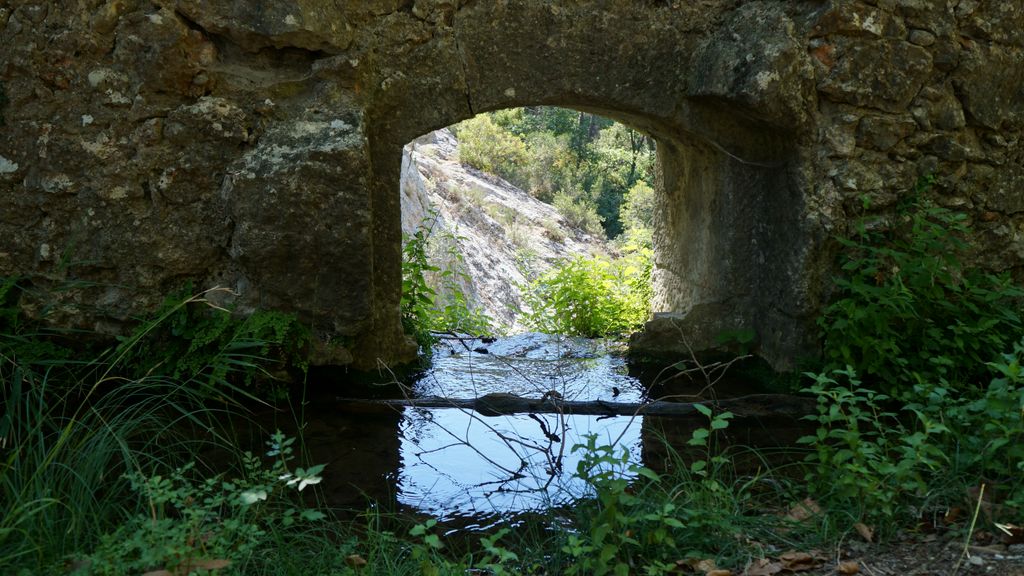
[(503, 404)]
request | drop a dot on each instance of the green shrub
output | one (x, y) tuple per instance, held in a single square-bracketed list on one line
[(590, 297), (551, 165), (983, 432), (553, 231), (866, 459), (884, 465), (192, 339), (923, 331), (486, 146), (579, 213), (417, 297), (620, 526), (432, 296), (637, 216), (907, 310), (640, 522), (196, 523), (590, 161)]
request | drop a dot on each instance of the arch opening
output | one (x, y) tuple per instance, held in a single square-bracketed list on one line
[(505, 198), (724, 236), (735, 245)]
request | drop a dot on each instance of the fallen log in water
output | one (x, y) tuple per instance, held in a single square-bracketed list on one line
[(502, 404)]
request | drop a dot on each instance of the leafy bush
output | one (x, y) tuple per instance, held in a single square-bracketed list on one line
[(590, 297), (551, 165), (883, 464), (432, 296), (192, 339), (585, 164), (621, 159), (983, 432), (908, 409), (907, 310), (417, 297), (865, 457), (486, 146), (579, 213), (206, 523), (553, 231), (640, 522), (637, 216), (620, 527)]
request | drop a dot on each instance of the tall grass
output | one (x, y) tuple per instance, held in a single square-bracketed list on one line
[(70, 429), (61, 475)]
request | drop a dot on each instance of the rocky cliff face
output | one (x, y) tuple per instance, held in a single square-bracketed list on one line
[(505, 236), (259, 145)]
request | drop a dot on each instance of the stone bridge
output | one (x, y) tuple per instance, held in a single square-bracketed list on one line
[(257, 145)]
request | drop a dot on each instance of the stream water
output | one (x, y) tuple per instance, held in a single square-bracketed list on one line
[(457, 463), (461, 466)]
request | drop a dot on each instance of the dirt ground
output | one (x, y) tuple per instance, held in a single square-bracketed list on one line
[(939, 557)]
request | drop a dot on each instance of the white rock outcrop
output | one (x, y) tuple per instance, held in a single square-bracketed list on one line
[(505, 236)]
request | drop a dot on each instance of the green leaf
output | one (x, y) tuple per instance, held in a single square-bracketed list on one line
[(699, 437), (648, 473)]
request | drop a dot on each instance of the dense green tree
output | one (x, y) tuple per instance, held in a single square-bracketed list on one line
[(637, 215), (582, 163)]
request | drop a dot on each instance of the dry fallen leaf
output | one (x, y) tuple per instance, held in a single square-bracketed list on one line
[(208, 564), (798, 561), (953, 515), (763, 567), (191, 566), (706, 566), (718, 572), (865, 531), (847, 568), (804, 510), (355, 561)]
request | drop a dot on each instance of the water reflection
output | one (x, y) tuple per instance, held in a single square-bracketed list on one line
[(530, 365), (457, 464)]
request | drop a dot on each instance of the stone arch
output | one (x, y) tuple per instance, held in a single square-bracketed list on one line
[(732, 248), (255, 145)]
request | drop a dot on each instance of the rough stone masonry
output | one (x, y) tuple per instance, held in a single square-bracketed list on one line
[(257, 145)]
